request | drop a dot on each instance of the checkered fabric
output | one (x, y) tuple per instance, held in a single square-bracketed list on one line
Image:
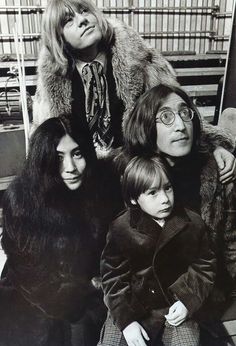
[(111, 335), (187, 334)]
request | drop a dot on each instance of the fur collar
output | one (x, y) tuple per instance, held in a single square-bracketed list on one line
[(136, 68)]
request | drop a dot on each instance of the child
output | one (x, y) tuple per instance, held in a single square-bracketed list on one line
[(157, 269)]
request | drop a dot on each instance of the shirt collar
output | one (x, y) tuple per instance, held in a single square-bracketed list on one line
[(161, 223), (101, 58)]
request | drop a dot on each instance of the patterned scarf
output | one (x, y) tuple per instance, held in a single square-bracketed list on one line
[(97, 106)]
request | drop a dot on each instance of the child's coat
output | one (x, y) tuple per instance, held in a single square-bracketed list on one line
[(146, 268)]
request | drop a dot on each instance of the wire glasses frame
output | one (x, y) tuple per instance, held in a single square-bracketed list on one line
[(167, 117)]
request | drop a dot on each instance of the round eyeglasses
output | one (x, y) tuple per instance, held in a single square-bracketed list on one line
[(167, 117)]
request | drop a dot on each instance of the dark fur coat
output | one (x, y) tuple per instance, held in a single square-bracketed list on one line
[(53, 252), (197, 186)]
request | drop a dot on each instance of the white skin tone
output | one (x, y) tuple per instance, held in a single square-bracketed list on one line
[(176, 140), (158, 202), (83, 33), (226, 163), (72, 163)]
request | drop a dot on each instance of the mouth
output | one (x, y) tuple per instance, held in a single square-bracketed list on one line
[(166, 210), (182, 139), (74, 179), (87, 29)]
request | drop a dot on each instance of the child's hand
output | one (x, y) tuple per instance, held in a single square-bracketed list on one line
[(177, 314), (134, 334)]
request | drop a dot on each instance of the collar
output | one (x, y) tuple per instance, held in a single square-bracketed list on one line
[(176, 223), (161, 223), (143, 222), (173, 225), (101, 58)]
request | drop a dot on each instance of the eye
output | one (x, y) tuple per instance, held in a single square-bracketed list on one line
[(167, 117), (186, 113), (77, 154), (60, 157), (168, 188), (68, 20), (83, 11), (152, 192)]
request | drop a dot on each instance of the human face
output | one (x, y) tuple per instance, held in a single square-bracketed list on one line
[(158, 200), (72, 163), (83, 33), (174, 140)]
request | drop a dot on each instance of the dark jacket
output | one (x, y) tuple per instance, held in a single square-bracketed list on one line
[(143, 273)]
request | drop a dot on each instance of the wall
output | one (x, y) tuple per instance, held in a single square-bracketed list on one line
[(198, 26)]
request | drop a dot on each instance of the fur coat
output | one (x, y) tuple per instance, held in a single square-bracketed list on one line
[(197, 186), (218, 210), (53, 253), (135, 67)]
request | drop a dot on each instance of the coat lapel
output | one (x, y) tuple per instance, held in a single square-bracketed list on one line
[(173, 226), (144, 224)]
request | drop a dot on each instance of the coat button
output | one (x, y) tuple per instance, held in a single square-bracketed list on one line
[(153, 291)]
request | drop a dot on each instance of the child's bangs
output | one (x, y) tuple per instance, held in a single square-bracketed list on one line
[(147, 177)]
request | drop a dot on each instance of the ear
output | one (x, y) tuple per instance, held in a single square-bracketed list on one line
[(133, 202)]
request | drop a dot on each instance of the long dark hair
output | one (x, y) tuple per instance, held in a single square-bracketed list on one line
[(41, 168), (140, 135), (38, 204)]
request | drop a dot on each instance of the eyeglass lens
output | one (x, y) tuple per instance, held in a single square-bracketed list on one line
[(168, 116)]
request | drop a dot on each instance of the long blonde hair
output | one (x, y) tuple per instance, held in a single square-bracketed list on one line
[(52, 28)]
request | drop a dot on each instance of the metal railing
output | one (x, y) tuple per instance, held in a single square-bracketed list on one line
[(167, 28)]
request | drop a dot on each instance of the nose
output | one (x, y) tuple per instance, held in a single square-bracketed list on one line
[(178, 123), (68, 164), (163, 197), (80, 19)]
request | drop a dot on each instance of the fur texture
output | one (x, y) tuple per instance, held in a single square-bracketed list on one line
[(135, 67), (218, 211)]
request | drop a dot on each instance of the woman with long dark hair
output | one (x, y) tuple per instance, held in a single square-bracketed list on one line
[(53, 226)]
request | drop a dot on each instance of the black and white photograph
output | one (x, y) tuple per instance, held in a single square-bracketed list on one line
[(117, 173)]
